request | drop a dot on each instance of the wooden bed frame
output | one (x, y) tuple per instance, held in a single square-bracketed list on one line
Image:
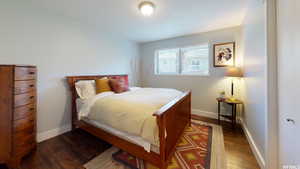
[(172, 119)]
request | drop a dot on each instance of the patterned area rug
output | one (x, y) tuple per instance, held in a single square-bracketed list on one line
[(200, 147)]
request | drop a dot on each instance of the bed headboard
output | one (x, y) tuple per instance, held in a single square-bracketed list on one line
[(73, 79)]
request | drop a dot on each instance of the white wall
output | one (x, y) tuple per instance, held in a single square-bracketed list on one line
[(289, 81), (254, 45), (204, 89), (59, 47)]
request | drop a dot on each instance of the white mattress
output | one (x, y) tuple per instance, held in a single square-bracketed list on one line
[(123, 135)]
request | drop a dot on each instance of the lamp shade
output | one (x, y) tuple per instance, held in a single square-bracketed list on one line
[(234, 72)]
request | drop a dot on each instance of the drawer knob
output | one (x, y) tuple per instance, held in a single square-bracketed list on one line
[(31, 109), (31, 85), (29, 142), (31, 73), (30, 132), (31, 97)]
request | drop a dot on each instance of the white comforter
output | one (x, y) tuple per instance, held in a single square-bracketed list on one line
[(131, 111)]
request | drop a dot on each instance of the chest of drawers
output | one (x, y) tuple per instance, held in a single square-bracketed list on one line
[(17, 113)]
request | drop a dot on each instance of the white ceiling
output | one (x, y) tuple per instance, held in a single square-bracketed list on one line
[(171, 18)]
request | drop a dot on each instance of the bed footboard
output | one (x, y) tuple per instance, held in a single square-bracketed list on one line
[(172, 120)]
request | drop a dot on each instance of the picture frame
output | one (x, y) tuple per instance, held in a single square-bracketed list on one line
[(224, 54)]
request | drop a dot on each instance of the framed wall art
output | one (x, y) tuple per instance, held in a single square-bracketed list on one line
[(224, 54)]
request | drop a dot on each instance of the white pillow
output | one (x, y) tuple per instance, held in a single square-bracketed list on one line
[(85, 88), (84, 105)]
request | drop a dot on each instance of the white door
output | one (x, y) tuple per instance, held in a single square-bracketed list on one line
[(289, 82)]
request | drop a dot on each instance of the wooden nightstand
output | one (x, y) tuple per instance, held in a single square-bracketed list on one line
[(234, 104)]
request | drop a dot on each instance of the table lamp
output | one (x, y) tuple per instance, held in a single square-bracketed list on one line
[(233, 72)]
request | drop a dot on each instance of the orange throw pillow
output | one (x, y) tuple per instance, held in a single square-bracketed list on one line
[(118, 85), (102, 85)]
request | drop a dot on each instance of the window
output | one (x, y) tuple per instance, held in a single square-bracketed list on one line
[(167, 61), (185, 61)]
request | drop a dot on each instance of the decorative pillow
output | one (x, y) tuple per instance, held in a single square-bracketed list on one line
[(85, 88), (124, 78), (102, 85), (118, 85)]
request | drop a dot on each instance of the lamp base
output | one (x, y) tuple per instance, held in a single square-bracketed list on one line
[(231, 98)]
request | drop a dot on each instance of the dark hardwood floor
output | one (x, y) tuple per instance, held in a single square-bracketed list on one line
[(71, 150), (238, 151), (68, 151)]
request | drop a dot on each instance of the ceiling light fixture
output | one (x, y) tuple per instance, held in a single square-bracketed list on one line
[(146, 8)]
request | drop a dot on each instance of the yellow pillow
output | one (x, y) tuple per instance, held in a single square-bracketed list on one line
[(102, 85)]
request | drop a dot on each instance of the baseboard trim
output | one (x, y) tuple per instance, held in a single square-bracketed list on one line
[(254, 148), (208, 114), (205, 113), (42, 136)]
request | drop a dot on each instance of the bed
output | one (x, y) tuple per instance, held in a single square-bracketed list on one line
[(170, 118)]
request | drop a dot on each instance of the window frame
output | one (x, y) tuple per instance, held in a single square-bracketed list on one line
[(180, 61)]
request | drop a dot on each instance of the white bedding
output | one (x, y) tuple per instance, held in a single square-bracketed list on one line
[(84, 105), (129, 112), (131, 138)]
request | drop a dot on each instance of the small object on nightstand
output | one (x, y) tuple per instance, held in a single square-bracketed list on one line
[(231, 102), (222, 94)]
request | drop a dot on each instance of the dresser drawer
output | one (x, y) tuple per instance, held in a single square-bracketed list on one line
[(24, 133), (26, 123), (24, 86), (25, 73), (24, 111), (26, 98), (28, 139), (24, 149)]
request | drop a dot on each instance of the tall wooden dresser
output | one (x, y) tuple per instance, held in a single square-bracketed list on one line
[(17, 113)]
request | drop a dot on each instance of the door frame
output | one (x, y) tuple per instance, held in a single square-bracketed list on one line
[(272, 133)]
